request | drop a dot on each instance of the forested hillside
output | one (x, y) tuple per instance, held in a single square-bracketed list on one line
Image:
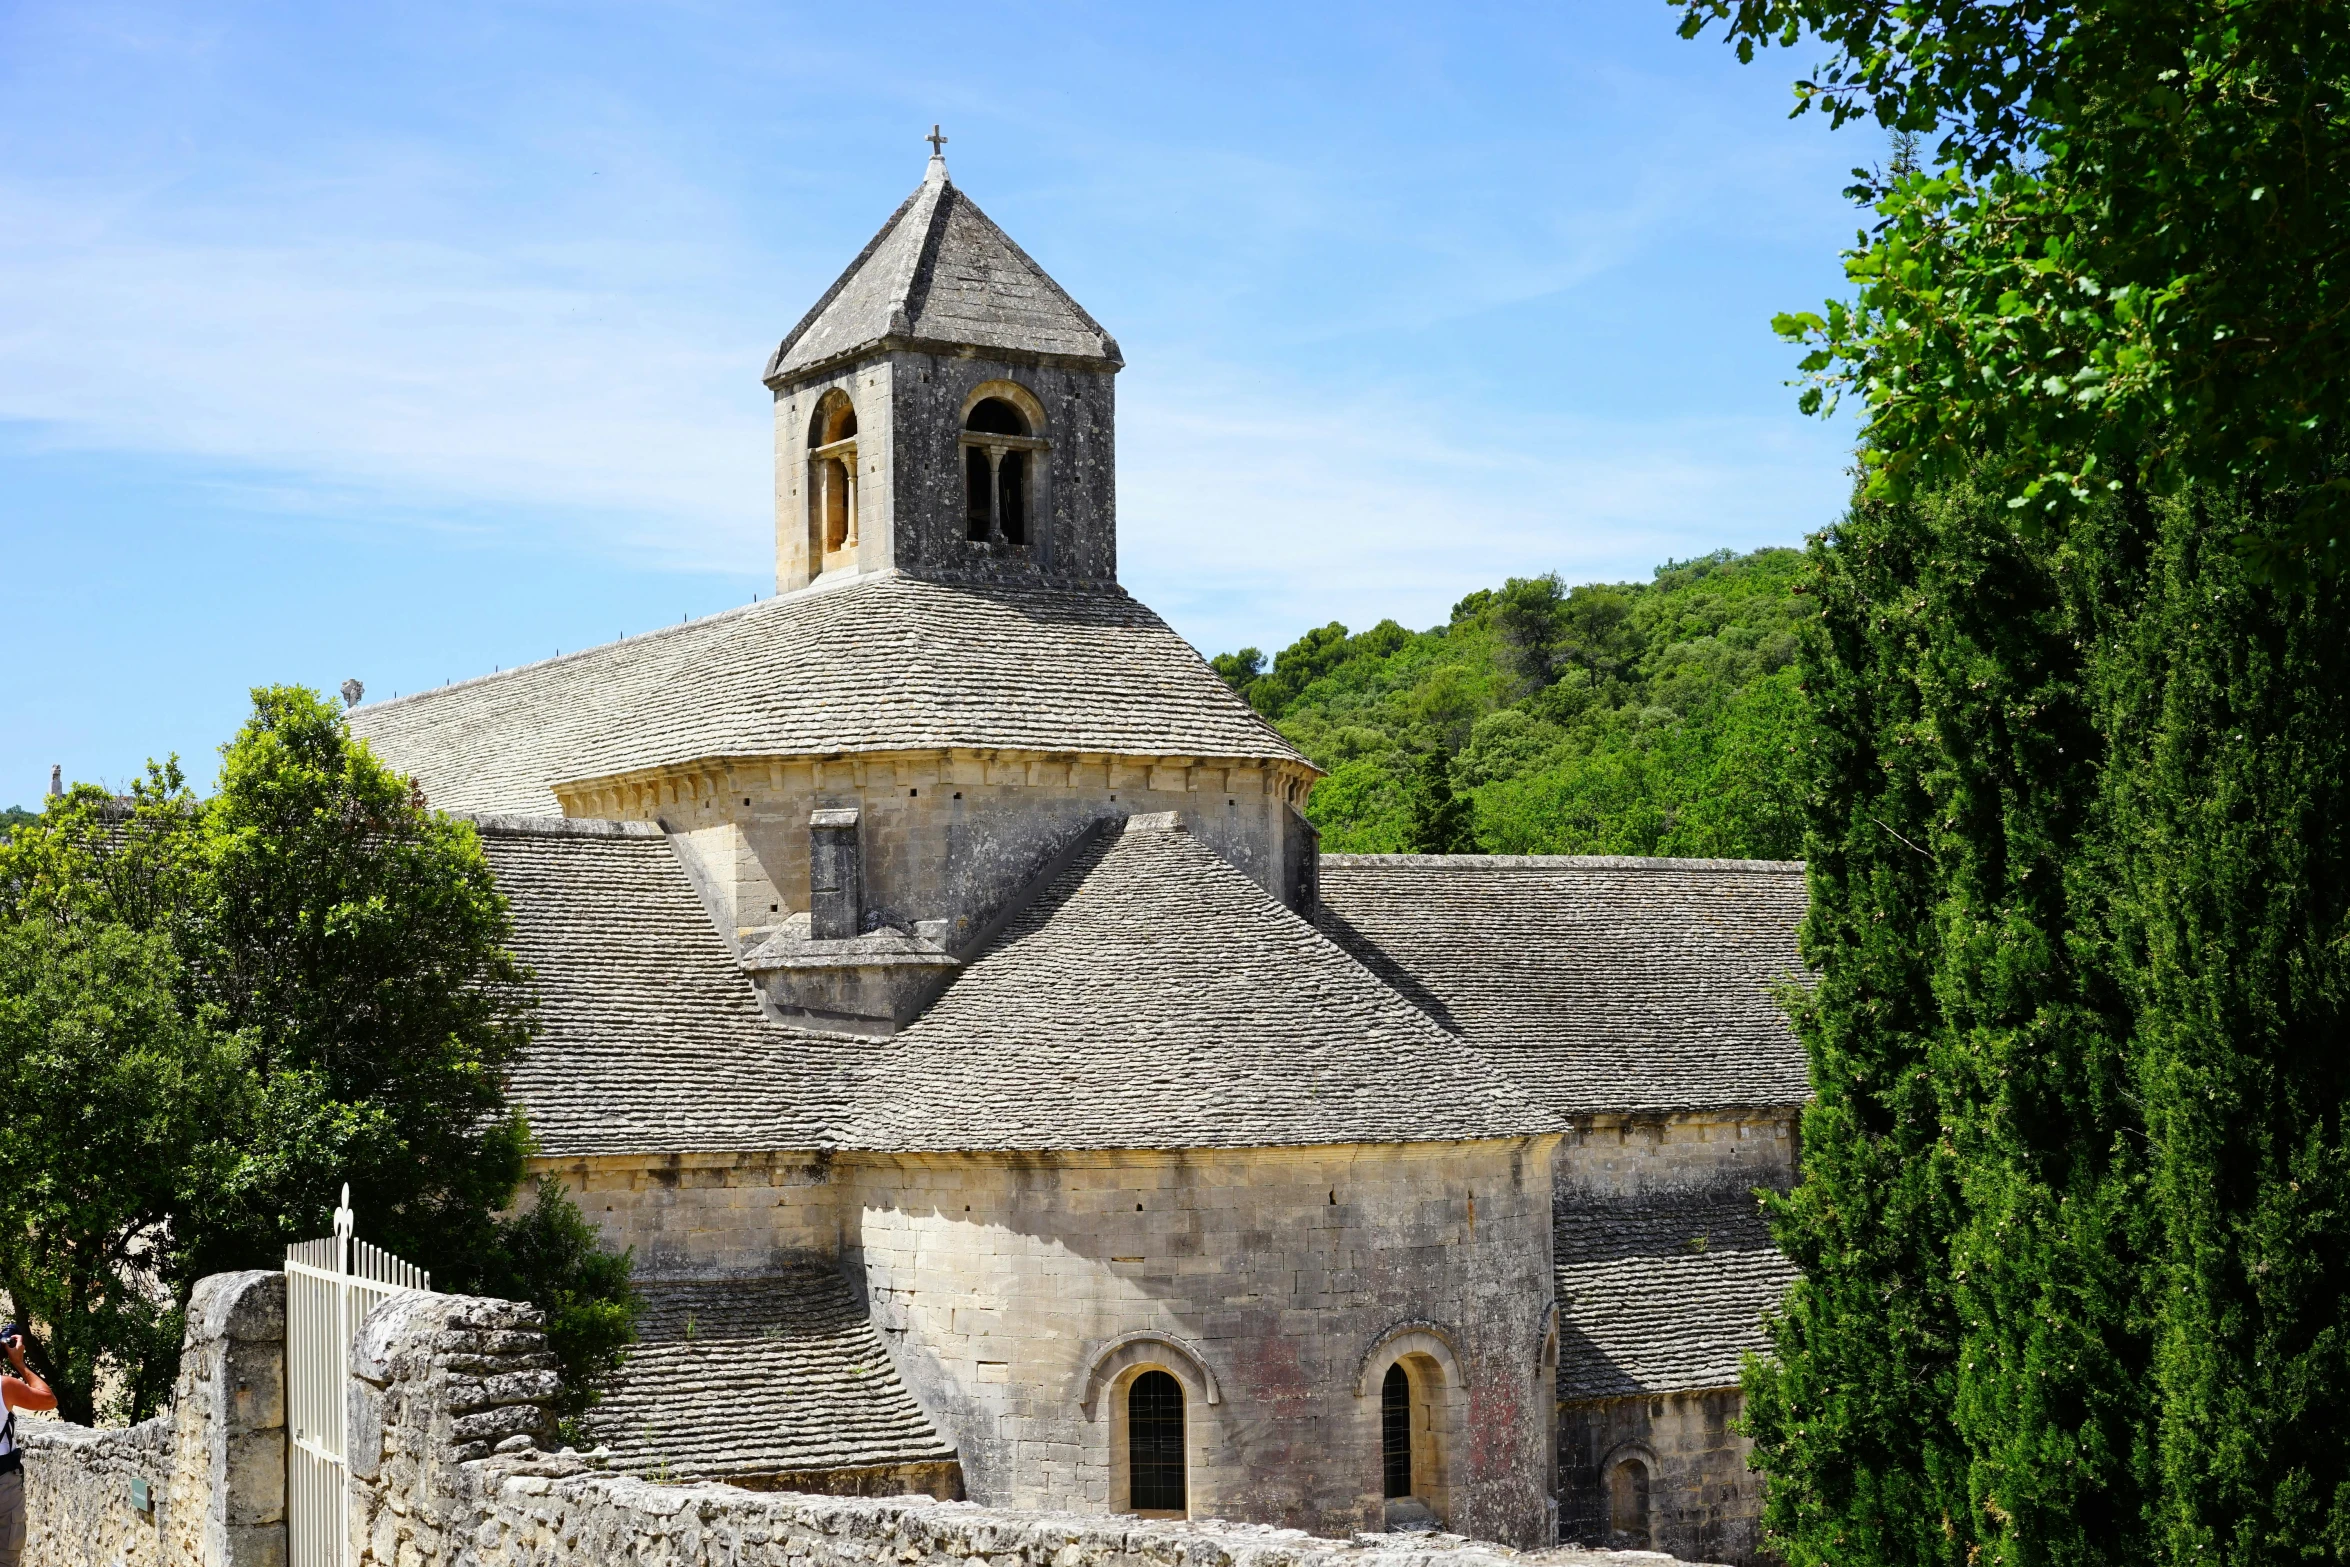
[(1611, 718)]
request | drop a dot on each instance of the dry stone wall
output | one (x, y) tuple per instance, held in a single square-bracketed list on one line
[(214, 1468), (444, 1376), (79, 1494)]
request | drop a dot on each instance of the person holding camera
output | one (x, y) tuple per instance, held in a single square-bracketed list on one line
[(23, 1390)]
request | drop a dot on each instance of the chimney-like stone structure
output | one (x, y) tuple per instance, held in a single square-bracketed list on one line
[(835, 905)]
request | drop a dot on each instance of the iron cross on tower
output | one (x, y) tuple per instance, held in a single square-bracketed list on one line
[(937, 142)]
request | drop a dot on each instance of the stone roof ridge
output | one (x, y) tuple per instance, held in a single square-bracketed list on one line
[(941, 271), (887, 661), (1550, 862), (558, 826)]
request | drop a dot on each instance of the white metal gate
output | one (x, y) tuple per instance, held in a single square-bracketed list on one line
[(331, 1285)]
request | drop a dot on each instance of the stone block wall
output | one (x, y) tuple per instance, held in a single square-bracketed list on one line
[(943, 835), (1021, 1294), (444, 1376), (691, 1216), (1704, 1503), (1624, 1156), (910, 503), (214, 1467), (438, 1381)]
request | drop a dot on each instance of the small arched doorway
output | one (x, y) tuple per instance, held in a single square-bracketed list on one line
[(1627, 1504), (1154, 1444)]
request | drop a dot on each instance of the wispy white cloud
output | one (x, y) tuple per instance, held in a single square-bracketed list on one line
[(420, 369)]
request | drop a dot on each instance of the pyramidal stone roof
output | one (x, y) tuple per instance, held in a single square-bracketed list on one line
[(881, 663), (1602, 984), (1155, 997), (941, 275)]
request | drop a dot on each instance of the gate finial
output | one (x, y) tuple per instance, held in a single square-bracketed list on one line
[(343, 1215)]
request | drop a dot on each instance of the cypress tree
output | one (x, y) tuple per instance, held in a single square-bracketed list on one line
[(2225, 695)]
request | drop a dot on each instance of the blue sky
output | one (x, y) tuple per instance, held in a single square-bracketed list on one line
[(411, 341)]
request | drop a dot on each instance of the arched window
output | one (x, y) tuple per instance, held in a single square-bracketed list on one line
[(1395, 1431), (1627, 1505), (832, 479), (999, 444), (1154, 1443)]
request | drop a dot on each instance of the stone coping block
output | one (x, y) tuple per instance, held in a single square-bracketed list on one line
[(554, 1511)]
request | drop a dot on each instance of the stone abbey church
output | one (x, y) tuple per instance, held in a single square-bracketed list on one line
[(1003, 1095)]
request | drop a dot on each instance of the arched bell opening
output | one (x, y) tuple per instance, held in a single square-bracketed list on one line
[(832, 482), (1002, 439)]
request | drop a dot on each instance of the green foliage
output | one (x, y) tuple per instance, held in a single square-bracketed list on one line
[(354, 941), (549, 1254), (16, 816), (1655, 718), (2075, 1219), (2126, 266), (1239, 669), (1440, 820), (230, 1008), (2226, 700), (115, 1102), (1961, 1368)]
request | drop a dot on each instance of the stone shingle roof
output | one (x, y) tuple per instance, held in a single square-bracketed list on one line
[(1600, 985), (941, 275), (1662, 1295), (1155, 997), (759, 1378), (652, 1040), (882, 663)]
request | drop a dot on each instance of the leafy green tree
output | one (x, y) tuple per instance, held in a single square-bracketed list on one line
[(353, 939), (301, 981), (2125, 265), (116, 1102), (1441, 821), (1239, 670), (1961, 1371), (16, 816), (1655, 718), (550, 1255), (2103, 355), (1526, 620)]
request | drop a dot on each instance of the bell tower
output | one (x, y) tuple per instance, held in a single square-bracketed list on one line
[(946, 410)]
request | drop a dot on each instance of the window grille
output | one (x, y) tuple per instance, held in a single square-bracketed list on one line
[(1154, 1443), (1395, 1431)]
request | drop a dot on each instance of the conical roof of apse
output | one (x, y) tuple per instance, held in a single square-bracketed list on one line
[(940, 274)]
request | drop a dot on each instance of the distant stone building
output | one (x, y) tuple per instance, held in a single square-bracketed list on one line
[(947, 1000)]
